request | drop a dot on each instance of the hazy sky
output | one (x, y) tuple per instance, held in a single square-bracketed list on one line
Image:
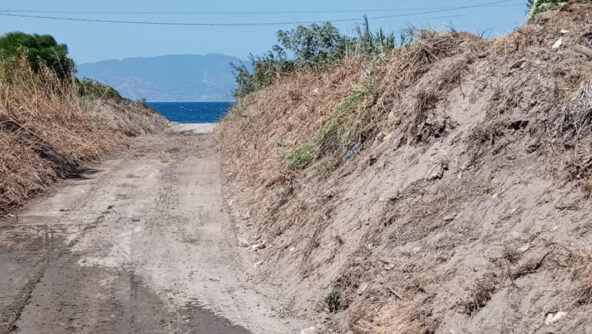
[(90, 41)]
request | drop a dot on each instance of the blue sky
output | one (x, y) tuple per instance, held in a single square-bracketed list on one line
[(89, 42)]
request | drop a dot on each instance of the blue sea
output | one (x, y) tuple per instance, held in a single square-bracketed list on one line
[(192, 112)]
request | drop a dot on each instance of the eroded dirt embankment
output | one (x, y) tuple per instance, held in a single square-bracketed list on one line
[(462, 205), (49, 128)]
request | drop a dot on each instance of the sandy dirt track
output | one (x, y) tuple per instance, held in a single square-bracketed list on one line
[(139, 244)]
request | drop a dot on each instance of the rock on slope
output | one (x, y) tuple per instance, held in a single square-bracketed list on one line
[(466, 208)]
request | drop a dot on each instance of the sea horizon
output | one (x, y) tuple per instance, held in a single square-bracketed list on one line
[(223, 101), (192, 112)]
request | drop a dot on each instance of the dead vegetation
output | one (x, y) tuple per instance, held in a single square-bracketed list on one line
[(48, 131), (480, 294), (398, 317), (575, 118), (583, 291), (450, 212)]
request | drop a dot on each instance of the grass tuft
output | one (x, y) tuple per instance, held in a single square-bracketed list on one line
[(301, 157), (337, 132), (335, 301)]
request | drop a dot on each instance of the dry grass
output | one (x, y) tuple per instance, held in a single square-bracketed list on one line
[(47, 131), (575, 118), (22, 171), (572, 130), (480, 294), (314, 114), (397, 317), (405, 66), (289, 114), (581, 264), (584, 293)]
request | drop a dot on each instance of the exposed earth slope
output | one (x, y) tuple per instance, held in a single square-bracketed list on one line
[(441, 189)]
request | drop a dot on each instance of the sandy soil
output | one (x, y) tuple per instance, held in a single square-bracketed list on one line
[(139, 244), (446, 192)]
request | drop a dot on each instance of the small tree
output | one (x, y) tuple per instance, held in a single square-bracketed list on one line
[(313, 44), (38, 50)]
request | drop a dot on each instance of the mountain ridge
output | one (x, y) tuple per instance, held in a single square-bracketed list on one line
[(167, 78)]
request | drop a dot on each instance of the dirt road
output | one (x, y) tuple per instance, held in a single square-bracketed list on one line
[(140, 244)]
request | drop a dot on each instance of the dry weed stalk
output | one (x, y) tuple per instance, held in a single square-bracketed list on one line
[(400, 317), (575, 118)]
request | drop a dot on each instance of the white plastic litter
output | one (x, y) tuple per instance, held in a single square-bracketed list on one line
[(551, 318)]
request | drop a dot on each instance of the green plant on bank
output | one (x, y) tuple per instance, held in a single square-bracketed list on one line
[(413, 34), (335, 301), (301, 157), (368, 43), (47, 59), (39, 51), (312, 46), (326, 168), (337, 132), (536, 7), (343, 120), (96, 90), (272, 65)]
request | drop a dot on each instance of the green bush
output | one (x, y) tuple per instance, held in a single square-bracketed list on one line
[(266, 69), (312, 46), (39, 51), (301, 157), (97, 90), (538, 6), (335, 301)]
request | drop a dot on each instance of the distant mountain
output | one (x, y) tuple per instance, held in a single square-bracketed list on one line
[(167, 78)]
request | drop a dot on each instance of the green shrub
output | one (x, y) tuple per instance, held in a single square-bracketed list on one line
[(538, 6), (312, 46), (335, 301), (245, 81), (97, 90), (266, 68), (301, 157), (327, 168), (367, 43), (39, 51)]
